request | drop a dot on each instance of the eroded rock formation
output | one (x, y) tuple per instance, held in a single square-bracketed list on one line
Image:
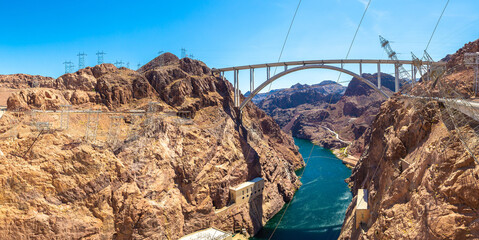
[(421, 179), (163, 182)]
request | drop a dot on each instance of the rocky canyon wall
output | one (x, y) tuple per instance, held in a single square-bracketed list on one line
[(164, 181), (421, 179)]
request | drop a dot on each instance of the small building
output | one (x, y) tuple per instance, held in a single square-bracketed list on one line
[(208, 234), (362, 210), (247, 191)]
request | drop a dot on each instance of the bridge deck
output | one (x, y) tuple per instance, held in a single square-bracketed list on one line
[(333, 61)]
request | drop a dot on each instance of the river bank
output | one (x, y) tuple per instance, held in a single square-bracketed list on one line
[(319, 206), (342, 153)]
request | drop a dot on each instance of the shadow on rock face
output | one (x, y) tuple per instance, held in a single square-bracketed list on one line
[(256, 213)]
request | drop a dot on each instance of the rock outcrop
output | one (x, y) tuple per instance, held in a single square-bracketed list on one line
[(92, 85), (21, 81), (39, 98), (165, 180), (299, 94), (421, 179)]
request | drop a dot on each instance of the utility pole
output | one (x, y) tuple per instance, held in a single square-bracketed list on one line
[(100, 57), (81, 60)]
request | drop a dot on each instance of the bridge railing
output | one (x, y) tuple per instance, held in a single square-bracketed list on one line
[(296, 65)]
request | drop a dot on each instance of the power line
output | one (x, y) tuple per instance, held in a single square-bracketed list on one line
[(436, 25), (287, 206), (286, 39), (355, 34), (312, 148)]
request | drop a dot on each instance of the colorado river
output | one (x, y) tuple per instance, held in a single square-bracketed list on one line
[(318, 207)]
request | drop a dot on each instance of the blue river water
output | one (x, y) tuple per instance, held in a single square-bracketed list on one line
[(319, 206)]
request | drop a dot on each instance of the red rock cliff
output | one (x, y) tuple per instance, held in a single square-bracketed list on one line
[(165, 181), (422, 182)]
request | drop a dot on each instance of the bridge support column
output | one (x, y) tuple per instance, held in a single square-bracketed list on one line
[(413, 74), (251, 80), (429, 71), (268, 72), (379, 75), (360, 69), (285, 67), (396, 78), (236, 92)]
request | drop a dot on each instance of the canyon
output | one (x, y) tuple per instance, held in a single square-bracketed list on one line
[(163, 178), (166, 176), (329, 114)]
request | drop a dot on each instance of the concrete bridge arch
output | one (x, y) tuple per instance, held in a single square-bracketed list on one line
[(312, 66)]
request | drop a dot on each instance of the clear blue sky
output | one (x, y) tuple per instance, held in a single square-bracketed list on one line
[(38, 36)]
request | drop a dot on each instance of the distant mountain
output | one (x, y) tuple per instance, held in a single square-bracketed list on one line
[(260, 96), (351, 116), (326, 91), (306, 109), (325, 87)]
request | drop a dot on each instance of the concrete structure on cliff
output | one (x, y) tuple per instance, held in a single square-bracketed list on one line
[(208, 234), (362, 210), (247, 191)]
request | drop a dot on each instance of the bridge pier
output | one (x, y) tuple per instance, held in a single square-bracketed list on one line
[(251, 80), (413, 74), (379, 75), (236, 87), (268, 72), (428, 71), (396, 77), (360, 69)]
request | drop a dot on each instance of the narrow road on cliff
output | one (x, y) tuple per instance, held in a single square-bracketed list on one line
[(337, 135)]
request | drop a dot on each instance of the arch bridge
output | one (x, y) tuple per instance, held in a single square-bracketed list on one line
[(293, 66)]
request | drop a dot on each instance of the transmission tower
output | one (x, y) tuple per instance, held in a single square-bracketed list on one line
[(135, 119), (160, 52), (92, 125), (183, 53), (127, 64), (151, 111), (138, 65), (119, 64), (81, 60), (114, 129), (65, 116), (68, 66), (403, 73), (473, 59), (100, 57)]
